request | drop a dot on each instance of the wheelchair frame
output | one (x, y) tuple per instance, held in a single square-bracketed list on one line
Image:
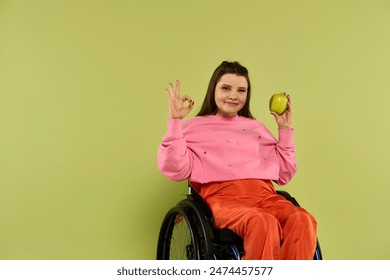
[(187, 232)]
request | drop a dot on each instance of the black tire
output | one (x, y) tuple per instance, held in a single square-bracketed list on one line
[(318, 253), (203, 230), (178, 239)]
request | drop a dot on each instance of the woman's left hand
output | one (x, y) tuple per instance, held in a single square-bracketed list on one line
[(284, 120)]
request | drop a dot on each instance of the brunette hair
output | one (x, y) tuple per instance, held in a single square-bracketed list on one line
[(209, 107)]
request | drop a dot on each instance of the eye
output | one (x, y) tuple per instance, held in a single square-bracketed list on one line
[(225, 88), (242, 90)]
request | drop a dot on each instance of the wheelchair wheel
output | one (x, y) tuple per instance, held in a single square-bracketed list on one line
[(178, 239), (318, 253)]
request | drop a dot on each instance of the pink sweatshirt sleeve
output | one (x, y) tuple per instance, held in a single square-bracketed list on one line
[(174, 160), (286, 154)]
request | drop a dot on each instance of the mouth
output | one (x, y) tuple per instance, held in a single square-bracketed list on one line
[(231, 103)]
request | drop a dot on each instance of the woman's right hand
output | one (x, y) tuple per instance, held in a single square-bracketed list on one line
[(177, 104)]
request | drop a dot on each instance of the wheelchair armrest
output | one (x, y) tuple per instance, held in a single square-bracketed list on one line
[(288, 197)]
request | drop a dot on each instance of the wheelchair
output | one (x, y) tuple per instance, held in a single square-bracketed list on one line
[(188, 233)]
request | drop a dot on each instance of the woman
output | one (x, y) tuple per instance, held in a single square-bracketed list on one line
[(232, 159)]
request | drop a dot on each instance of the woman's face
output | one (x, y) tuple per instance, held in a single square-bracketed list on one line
[(230, 94)]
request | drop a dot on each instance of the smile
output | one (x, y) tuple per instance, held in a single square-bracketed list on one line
[(231, 103)]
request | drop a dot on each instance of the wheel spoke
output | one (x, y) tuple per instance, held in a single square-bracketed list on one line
[(181, 247)]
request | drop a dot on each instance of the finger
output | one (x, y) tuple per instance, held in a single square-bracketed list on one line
[(177, 90), (187, 98), (190, 104), (289, 104), (167, 92), (170, 91), (170, 88)]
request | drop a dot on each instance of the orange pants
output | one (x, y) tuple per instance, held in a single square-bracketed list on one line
[(271, 226)]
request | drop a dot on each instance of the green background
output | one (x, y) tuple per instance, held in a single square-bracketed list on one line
[(83, 110)]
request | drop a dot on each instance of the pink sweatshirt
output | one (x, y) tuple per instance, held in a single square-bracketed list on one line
[(215, 148)]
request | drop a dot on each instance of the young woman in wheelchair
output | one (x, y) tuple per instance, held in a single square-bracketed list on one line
[(232, 160)]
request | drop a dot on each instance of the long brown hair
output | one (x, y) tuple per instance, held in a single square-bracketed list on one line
[(209, 107)]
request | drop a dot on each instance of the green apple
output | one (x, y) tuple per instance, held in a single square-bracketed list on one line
[(278, 103)]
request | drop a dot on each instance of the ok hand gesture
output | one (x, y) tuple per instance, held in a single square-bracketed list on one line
[(177, 104)]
